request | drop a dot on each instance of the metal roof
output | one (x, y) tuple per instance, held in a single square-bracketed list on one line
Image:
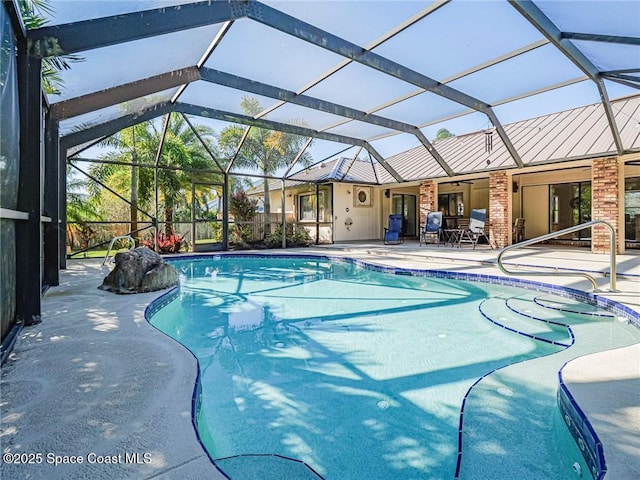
[(562, 136), (378, 75)]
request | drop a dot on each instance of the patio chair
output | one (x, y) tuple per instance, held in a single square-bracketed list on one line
[(393, 233), (432, 228), (518, 230), (475, 231)]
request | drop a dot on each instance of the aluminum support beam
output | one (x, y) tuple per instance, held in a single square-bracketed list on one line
[(202, 142), (292, 26), (544, 25), (381, 160), (245, 84), (114, 126), (590, 37), (62, 204), (29, 232), (52, 199), (282, 127), (245, 134), (353, 159), (123, 93), (102, 32), (298, 157)]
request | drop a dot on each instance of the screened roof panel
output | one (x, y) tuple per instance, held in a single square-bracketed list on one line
[(539, 68), (415, 164), (627, 114), (124, 63), (618, 90), (66, 11), (610, 56), (113, 112), (360, 87), (357, 170), (590, 123), (389, 146), (323, 150), (470, 152), (244, 162), (461, 125), (211, 95), (314, 119), (548, 102), (475, 31), (255, 51), (422, 108), (557, 132), (355, 21), (487, 50), (610, 17), (361, 130)]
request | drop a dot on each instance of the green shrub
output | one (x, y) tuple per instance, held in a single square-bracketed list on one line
[(296, 237)]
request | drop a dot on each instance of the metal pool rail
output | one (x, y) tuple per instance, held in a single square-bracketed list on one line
[(549, 236)]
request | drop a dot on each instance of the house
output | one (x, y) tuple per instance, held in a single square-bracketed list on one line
[(569, 162)]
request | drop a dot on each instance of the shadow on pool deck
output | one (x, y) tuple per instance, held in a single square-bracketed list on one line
[(95, 378)]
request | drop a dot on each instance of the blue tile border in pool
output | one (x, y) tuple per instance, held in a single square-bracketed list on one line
[(582, 431), (525, 334), (585, 436)]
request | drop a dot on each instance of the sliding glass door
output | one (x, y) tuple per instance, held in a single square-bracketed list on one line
[(406, 205), (570, 205)]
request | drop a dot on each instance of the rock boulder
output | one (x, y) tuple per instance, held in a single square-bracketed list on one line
[(139, 270)]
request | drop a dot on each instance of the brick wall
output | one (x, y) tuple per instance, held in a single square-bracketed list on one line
[(499, 215), (428, 199), (604, 204)]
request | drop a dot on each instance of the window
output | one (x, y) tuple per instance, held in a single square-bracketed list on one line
[(451, 204), (307, 207), (632, 209)]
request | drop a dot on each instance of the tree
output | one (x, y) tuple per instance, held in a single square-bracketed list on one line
[(443, 133), (243, 210), (181, 149), (32, 12), (267, 150), (81, 210)]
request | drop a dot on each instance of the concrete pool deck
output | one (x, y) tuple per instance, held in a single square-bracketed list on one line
[(94, 382)]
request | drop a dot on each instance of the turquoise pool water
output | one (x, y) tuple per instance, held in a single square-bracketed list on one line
[(312, 368)]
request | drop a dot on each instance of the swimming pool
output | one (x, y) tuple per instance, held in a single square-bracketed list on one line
[(313, 367)]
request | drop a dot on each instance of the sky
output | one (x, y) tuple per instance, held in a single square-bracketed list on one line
[(443, 45)]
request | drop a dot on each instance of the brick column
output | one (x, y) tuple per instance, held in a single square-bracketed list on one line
[(499, 208), (605, 188), (428, 199)]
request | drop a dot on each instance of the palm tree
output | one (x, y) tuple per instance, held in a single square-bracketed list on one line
[(267, 150), (181, 149)]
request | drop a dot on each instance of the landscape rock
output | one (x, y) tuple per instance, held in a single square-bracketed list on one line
[(139, 270)]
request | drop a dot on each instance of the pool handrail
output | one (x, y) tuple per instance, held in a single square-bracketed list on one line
[(549, 236), (113, 240)]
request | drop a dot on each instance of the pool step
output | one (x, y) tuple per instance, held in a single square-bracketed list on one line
[(568, 305), (532, 325)]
